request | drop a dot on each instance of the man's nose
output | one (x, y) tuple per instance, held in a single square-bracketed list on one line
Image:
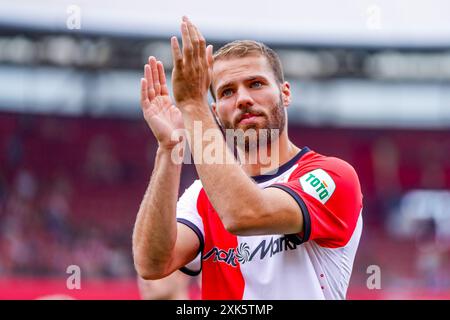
[(244, 100)]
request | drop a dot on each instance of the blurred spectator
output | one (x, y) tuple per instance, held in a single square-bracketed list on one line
[(432, 155), (14, 151), (25, 185), (433, 175), (3, 194), (431, 256), (386, 176), (102, 165), (56, 209)]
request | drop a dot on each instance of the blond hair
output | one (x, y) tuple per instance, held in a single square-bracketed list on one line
[(245, 48)]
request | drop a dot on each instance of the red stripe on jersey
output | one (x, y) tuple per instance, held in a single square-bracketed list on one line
[(221, 273), (332, 223)]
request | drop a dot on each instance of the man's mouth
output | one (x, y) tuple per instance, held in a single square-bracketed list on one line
[(248, 117)]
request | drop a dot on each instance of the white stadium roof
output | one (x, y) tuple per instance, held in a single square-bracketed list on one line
[(344, 22)]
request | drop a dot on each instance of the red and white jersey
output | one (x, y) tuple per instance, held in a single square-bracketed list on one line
[(314, 264)]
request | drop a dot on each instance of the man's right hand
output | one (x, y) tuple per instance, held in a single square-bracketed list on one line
[(161, 115)]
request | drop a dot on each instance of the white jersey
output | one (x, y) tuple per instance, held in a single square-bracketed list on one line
[(314, 264)]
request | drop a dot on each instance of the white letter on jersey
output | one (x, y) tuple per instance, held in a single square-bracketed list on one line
[(318, 184), (374, 281)]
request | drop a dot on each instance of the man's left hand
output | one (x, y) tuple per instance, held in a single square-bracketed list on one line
[(191, 75)]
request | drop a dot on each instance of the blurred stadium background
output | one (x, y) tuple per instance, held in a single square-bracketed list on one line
[(371, 84)]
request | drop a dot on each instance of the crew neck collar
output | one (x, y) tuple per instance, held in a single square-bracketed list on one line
[(282, 169)]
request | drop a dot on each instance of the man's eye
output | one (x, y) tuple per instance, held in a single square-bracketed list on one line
[(256, 84), (226, 93)]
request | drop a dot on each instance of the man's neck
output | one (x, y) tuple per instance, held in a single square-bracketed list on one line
[(271, 157)]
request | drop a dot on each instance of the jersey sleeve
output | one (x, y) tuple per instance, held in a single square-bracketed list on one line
[(329, 196), (187, 214)]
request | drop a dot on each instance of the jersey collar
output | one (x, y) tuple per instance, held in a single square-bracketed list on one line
[(282, 169)]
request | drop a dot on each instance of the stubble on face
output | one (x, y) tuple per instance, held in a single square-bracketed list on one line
[(274, 122)]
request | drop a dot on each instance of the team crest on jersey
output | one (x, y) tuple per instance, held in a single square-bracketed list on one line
[(319, 184)]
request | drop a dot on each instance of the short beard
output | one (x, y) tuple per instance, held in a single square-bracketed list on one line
[(275, 127)]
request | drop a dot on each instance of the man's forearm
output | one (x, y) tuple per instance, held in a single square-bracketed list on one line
[(222, 178), (155, 230)]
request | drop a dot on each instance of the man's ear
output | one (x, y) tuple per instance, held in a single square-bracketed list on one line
[(286, 93), (214, 111)]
